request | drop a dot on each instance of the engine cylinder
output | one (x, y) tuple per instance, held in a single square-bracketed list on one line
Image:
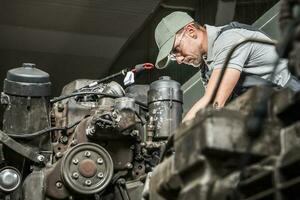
[(26, 96), (165, 106)]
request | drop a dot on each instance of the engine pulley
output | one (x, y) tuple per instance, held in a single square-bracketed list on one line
[(87, 168)]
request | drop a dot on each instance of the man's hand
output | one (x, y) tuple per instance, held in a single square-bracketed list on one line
[(230, 79)]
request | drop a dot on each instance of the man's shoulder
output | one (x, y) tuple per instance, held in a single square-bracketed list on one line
[(228, 39)]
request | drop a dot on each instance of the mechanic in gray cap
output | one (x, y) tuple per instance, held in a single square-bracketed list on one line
[(179, 38)]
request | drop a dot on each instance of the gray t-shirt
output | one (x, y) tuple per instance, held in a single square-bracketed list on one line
[(249, 58)]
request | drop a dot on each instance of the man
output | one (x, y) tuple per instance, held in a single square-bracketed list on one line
[(181, 39)]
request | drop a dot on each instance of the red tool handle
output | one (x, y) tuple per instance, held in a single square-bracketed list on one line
[(142, 67)]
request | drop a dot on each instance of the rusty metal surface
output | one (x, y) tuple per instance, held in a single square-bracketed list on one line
[(55, 187)]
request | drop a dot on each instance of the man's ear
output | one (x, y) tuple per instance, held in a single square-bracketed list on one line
[(191, 31)]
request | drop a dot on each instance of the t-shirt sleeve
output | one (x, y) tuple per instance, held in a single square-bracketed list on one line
[(223, 46)]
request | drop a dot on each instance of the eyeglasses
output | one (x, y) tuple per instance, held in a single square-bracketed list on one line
[(174, 53)]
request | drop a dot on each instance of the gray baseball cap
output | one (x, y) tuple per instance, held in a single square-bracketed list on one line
[(165, 35)]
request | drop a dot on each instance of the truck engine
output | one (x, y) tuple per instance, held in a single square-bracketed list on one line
[(90, 143)]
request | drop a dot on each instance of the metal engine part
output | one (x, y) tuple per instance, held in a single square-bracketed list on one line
[(87, 168), (26, 99), (10, 179), (165, 106)]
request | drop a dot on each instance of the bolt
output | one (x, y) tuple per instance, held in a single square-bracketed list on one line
[(88, 182), (100, 161), (64, 140), (87, 154), (100, 175), (58, 155), (60, 108), (58, 184), (75, 161), (129, 166), (74, 142), (41, 158), (75, 175)]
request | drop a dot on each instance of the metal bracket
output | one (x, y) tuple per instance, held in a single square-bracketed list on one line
[(21, 149)]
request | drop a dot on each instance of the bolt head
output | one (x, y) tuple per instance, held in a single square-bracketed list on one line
[(100, 161), (75, 175), (100, 175), (58, 184), (58, 155), (75, 161), (87, 154), (74, 142), (41, 158), (88, 182), (129, 166), (64, 139)]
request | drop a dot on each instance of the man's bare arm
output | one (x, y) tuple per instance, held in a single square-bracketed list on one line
[(230, 79)]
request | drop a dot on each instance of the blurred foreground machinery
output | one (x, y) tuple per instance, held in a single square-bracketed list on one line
[(213, 160), (97, 143)]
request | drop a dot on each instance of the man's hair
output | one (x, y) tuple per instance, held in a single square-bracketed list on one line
[(195, 24)]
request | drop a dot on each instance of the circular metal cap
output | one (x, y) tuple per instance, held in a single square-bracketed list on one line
[(165, 89), (83, 177), (27, 81), (87, 168), (10, 179), (28, 74), (165, 81)]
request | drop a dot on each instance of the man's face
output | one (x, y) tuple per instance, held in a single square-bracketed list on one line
[(187, 47)]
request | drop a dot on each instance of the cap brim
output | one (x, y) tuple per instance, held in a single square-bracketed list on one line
[(163, 59)]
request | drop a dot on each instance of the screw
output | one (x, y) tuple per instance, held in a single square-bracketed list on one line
[(132, 147), (58, 184), (41, 158), (75, 161), (75, 175), (129, 165), (100, 161), (87, 154), (88, 182), (100, 175)]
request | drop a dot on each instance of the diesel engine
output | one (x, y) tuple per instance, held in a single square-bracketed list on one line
[(96, 142)]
